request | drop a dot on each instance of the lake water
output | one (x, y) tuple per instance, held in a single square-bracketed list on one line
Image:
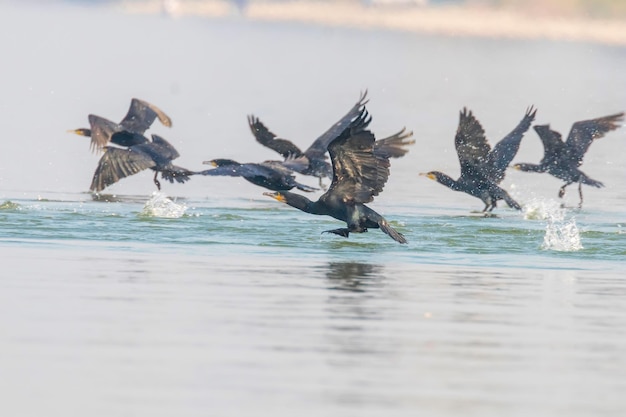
[(210, 299)]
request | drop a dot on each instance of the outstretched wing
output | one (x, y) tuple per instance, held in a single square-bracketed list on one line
[(141, 115), (505, 150), (101, 131), (238, 170), (553, 146), (318, 148), (358, 174), (584, 132), (118, 163), (394, 145), (268, 139), (470, 141)]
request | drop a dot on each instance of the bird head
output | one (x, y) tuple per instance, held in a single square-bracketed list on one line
[(433, 175), (277, 196), (81, 132), (220, 162)]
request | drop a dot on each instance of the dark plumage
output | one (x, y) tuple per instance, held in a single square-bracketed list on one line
[(483, 168), (315, 156), (118, 163), (562, 159), (271, 175), (358, 176), (139, 118)]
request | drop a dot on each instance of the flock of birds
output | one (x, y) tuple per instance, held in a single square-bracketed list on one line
[(359, 164)]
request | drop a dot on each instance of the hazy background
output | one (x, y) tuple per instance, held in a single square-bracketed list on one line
[(64, 60)]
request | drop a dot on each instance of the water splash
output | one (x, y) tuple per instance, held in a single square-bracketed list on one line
[(562, 233), (161, 205), (9, 205), (541, 209), (562, 236)]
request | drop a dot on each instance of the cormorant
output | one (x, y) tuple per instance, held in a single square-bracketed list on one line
[(315, 155), (139, 118), (272, 175), (118, 163), (562, 159), (483, 168), (358, 175)]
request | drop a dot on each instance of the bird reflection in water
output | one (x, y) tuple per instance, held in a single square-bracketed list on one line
[(353, 276)]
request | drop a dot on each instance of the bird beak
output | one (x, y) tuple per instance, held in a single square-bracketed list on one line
[(516, 167), (76, 131), (428, 175), (276, 196), (212, 163)]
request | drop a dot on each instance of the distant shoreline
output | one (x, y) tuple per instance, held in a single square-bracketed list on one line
[(462, 21)]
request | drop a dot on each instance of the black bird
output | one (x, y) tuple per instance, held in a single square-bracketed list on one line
[(358, 175), (118, 163), (272, 175), (562, 159), (483, 168), (139, 118), (315, 156)]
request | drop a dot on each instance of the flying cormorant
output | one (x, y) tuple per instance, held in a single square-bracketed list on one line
[(139, 118), (272, 175), (358, 175), (483, 168), (562, 159), (315, 156), (118, 163)]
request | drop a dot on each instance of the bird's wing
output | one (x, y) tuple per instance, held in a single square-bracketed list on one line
[(584, 132), (318, 148), (553, 145), (242, 170), (101, 131), (141, 115), (166, 149), (118, 163), (470, 141), (394, 145), (505, 150), (268, 139), (358, 174), (298, 164)]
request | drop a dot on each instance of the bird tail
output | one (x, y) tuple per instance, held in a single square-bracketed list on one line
[(394, 145), (588, 181), (175, 173), (393, 233)]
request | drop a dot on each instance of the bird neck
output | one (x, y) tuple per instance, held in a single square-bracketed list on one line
[(302, 203), (447, 181)]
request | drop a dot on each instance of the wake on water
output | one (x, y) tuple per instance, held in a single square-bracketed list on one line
[(160, 205), (562, 234)]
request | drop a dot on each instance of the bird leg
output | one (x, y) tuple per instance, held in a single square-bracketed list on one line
[(580, 193), (341, 232), (322, 186), (158, 184), (562, 190)]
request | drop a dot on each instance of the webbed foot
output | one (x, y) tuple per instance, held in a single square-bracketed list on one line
[(341, 232)]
